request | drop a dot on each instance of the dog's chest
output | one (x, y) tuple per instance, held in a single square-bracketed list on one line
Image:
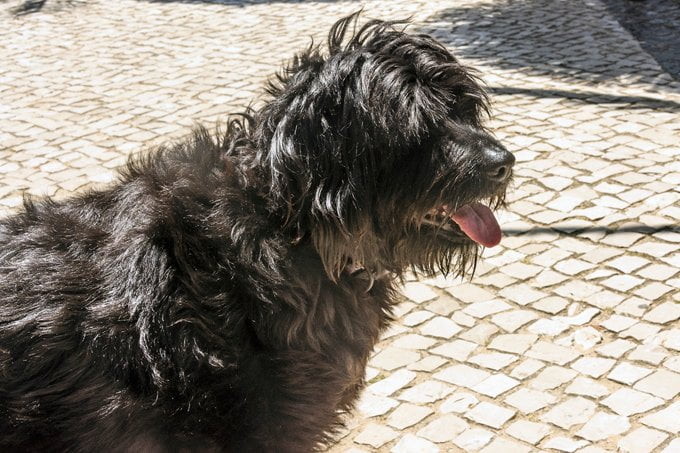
[(350, 320)]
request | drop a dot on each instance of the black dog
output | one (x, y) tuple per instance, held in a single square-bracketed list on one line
[(225, 295)]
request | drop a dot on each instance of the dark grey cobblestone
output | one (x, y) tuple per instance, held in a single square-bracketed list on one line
[(656, 25)]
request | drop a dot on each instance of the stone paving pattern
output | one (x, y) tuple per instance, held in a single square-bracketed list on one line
[(566, 339)]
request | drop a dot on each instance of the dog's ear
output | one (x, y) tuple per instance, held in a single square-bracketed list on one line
[(308, 139), (318, 175), (317, 156)]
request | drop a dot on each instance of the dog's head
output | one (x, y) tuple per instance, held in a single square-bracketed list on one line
[(376, 150)]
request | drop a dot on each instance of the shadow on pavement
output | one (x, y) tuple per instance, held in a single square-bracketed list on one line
[(575, 231), (559, 40), (656, 25), (29, 6), (635, 102), (34, 6)]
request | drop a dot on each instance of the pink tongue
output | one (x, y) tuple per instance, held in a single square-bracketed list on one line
[(479, 223)]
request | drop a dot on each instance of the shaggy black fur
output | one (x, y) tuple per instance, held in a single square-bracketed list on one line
[(225, 295)]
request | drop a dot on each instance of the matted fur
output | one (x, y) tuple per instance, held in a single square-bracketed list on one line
[(226, 293)]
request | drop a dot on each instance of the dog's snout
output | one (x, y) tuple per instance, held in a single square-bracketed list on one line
[(499, 162)]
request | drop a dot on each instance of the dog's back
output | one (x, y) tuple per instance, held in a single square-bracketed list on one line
[(57, 293), (86, 288)]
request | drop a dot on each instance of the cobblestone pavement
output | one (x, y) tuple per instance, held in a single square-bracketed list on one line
[(566, 339), (656, 25)]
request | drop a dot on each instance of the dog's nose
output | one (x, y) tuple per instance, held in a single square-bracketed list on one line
[(499, 162)]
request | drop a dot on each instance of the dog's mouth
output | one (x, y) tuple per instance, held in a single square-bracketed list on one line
[(474, 221)]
